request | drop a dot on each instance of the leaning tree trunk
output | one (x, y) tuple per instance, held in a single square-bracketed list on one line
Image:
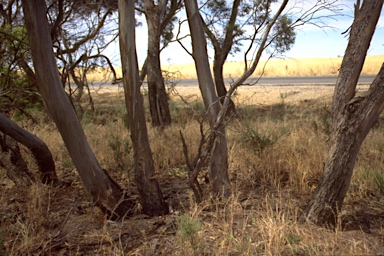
[(149, 190), (218, 167), (39, 149), (352, 118), (158, 98), (106, 193), (13, 162)]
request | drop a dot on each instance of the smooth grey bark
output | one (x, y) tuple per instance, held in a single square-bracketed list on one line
[(222, 50), (352, 118), (39, 149), (218, 166), (148, 187), (158, 98), (106, 193)]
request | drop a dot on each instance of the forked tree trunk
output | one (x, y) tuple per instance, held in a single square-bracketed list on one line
[(218, 167), (352, 118), (158, 99), (218, 66), (39, 149), (105, 192), (222, 49), (149, 190)]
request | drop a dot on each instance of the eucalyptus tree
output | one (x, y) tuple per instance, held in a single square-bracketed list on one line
[(218, 166), (149, 190), (272, 34), (352, 118), (18, 94), (106, 193), (160, 16), (226, 24), (80, 31)]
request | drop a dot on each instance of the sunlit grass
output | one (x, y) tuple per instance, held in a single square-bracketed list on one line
[(274, 68), (270, 184)]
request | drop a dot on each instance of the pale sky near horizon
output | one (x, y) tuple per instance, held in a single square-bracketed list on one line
[(311, 41)]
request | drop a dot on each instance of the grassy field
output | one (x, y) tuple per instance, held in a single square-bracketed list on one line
[(277, 146), (274, 68)]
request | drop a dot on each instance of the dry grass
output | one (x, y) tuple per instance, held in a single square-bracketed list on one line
[(274, 68), (277, 146)]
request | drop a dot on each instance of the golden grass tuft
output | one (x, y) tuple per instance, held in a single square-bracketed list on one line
[(277, 146)]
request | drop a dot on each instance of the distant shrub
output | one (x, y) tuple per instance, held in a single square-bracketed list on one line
[(258, 140)]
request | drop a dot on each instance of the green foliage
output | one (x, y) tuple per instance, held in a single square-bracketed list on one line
[(374, 179), (188, 230), (258, 140), (16, 90), (254, 14), (285, 35), (17, 93), (292, 239), (378, 179), (67, 163)]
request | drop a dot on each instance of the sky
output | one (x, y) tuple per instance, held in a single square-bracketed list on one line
[(311, 41)]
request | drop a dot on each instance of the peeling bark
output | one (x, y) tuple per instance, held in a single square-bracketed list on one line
[(352, 118)]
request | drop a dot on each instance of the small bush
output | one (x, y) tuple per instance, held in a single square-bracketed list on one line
[(258, 140)]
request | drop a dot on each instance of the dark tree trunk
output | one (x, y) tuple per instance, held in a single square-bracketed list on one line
[(105, 192), (218, 167), (149, 190), (39, 149), (158, 98), (352, 118), (218, 65), (13, 162)]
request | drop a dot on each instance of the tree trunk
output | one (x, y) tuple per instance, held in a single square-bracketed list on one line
[(352, 118), (149, 190), (158, 99), (219, 156), (105, 192), (222, 49), (13, 162), (218, 66), (39, 149)]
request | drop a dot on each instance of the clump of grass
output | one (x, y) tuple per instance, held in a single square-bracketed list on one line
[(188, 229), (379, 182), (258, 140), (323, 122), (122, 152), (368, 181)]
